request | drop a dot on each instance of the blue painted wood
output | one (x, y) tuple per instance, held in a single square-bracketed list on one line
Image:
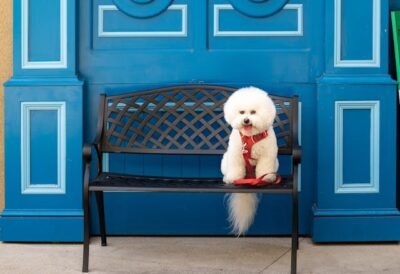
[(394, 4), (114, 21), (370, 133), (52, 208), (42, 213), (386, 198), (50, 37), (41, 229), (188, 214), (43, 133), (290, 52), (357, 32), (72, 199), (353, 203), (354, 212), (352, 216), (142, 8), (171, 165), (40, 30), (356, 146), (45, 73), (258, 8), (200, 47), (356, 229), (232, 20), (331, 38)]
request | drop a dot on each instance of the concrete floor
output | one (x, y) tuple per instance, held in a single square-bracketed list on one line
[(199, 255)]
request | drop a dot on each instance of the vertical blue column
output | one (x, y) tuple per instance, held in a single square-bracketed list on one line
[(43, 126), (356, 116)]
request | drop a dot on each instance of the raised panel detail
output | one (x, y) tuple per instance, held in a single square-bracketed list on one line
[(113, 23), (43, 146), (36, 33), (229, 22), (357, 147), (357, 42)]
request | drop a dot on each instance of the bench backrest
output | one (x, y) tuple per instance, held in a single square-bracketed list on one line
[(180, 120)]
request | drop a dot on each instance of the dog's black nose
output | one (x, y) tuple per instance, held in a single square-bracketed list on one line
[(246, 120)]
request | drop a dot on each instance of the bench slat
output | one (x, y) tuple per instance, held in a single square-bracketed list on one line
[(120, 182)]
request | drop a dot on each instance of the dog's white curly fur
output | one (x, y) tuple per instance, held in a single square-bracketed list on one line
[(254, 106)]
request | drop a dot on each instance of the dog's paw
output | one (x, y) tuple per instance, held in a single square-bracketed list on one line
[(228, 180), (269, 177)]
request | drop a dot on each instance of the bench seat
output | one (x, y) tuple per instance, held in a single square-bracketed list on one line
[(121, 182)]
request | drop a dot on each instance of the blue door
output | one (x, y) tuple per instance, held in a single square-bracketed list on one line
[(70, 51), (135, 45)]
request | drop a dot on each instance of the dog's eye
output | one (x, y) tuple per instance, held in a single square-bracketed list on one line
[(241, 112), (253, 112)]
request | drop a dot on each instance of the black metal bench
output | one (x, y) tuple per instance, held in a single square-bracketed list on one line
[(178, 120)]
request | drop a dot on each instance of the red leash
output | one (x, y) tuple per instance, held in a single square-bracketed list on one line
[(258, 181), (248, 142)]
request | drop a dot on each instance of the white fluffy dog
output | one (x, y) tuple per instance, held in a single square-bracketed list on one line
[(250, 112)]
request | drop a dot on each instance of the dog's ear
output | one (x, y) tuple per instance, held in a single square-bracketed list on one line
[(231, 106), (228, 111), (271, 110)]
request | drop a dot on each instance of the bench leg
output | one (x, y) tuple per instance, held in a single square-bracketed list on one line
[(85, 265), (295, 234), (100, 209)]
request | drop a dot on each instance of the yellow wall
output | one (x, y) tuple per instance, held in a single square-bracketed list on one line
[(5, 73)]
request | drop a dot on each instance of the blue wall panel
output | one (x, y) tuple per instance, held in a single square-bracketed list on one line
[(113, 29), (289, 29), (355, 214), (232, 20), (50, 216), (44, 37), (356, 35), (201, 56), (41, 229), (72, 198), (329, 93), (356, 147), (43, 145), (117, 21)]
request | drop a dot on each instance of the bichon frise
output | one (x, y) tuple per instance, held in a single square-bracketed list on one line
[(252, 143)]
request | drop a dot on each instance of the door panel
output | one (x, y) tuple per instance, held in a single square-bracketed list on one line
[(199, 42)]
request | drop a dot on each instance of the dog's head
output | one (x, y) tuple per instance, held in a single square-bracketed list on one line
[(250, 110)]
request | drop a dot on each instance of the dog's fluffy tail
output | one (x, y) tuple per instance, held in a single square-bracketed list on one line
[(242, 209)]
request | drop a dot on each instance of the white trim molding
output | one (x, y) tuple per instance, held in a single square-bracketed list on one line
[(181, 33), (59, 186), (249, 33), (357, 187), (59, 64), (376, 39)]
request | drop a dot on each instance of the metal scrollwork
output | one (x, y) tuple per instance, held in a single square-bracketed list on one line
[(142, 8), (258, 8)]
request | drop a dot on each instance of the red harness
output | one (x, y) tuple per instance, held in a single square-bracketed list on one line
[(247, 146)]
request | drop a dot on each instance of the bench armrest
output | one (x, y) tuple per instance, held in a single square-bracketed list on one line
[(296, 154), (87, 153)]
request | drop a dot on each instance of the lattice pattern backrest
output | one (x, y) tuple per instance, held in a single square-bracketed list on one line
[(179, 120), (286, 113)]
